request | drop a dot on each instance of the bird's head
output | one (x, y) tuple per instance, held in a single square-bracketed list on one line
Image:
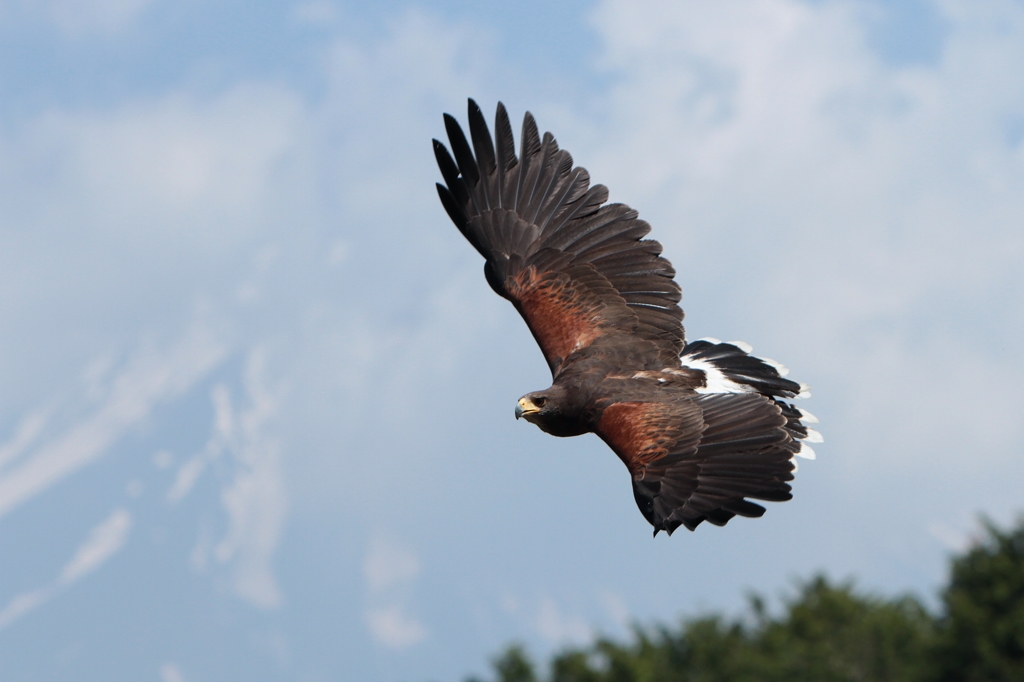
[(533, 406), (550, 410)]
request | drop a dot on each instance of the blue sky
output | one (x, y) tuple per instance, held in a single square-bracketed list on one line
[(256, 417)]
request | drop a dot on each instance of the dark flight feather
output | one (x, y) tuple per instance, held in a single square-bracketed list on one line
[(569, 216)]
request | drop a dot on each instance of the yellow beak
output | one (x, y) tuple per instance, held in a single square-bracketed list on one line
[(525, 407)]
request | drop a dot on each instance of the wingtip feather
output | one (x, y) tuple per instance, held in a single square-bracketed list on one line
[(776, 365), (743, 346), (807, 416), (806, 451)]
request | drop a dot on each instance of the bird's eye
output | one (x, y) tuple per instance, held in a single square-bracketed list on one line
[(539, 402)]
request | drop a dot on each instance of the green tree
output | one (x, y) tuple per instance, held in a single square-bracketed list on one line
[(982, 630), (512, 665), (828, 632), (833, 633)]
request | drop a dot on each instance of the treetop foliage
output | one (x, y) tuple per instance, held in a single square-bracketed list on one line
[(827, 632)]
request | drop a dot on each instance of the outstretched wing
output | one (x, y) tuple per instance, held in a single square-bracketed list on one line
[(697, 458), (578, 270)]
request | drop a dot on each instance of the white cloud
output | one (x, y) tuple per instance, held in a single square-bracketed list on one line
[(162, 459), (23, 603), (199, 168), (338, 253), (104, 541), (559, 628), (510, 604), (389, 565), (223, 437), (151, 376), (315, 13), (392, 627), (169, 672), (77, 18), (615, 606), (170, 191), (29, 429), (949, 537), (188, 474), (199, 557), (255, 499), (390, 572)]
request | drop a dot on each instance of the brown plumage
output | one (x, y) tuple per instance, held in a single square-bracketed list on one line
[(700, 427)]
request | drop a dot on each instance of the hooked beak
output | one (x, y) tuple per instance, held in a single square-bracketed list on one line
[(525, 407)]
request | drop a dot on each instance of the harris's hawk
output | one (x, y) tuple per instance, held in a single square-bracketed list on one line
[(703, 427)]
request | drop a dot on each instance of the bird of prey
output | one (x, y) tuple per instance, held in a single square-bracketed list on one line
[(703, 427)]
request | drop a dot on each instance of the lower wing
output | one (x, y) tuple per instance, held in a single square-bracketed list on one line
[(700, 457)]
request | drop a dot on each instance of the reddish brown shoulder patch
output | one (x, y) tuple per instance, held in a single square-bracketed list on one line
[(641, 433), (561, 314)]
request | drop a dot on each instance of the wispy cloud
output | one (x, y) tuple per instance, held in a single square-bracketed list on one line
[(77, 17), (615, 607), (104, 541), (390, 571), (950, 537), (169, 672), (558, 627), (29, 429), (388, 565), (318, 12), (151, 376), (24, 603), (223, 438), (254, 499), (393, 627)]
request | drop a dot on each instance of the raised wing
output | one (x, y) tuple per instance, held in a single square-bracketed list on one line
[(577, 270), (697, 458)]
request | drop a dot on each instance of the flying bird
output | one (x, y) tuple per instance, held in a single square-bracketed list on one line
[(703, 427)]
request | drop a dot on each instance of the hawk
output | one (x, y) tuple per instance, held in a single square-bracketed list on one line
[(703, 427)]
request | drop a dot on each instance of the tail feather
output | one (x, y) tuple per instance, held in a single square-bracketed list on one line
[(729, 367)]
